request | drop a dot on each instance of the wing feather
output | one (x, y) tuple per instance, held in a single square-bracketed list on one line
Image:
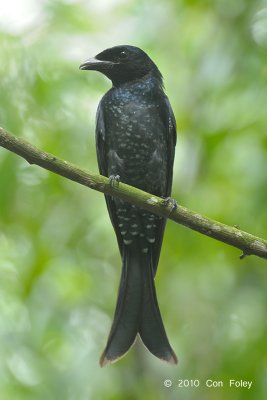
[(103, 169), (168, 118)]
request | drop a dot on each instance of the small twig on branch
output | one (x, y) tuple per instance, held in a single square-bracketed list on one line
[(249, 244)]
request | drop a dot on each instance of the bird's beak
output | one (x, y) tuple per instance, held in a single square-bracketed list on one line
[(95, 64)]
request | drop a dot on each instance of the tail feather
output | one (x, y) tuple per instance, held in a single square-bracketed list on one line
[(127, 313), (151, 328), (136, 311)]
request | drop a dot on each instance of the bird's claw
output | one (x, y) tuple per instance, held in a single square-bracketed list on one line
[(170, 204), (114, 180)]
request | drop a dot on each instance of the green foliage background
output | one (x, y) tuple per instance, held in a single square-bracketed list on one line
[(59, 262)]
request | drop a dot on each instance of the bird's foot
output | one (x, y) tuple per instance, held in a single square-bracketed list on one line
[(170, 204), (114, 180)]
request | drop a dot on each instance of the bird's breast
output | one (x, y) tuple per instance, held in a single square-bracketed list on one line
[(135, 137)]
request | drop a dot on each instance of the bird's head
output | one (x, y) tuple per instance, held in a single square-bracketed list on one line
[(123, 64)]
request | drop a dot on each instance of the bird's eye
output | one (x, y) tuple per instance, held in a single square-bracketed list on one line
[(123, 55)]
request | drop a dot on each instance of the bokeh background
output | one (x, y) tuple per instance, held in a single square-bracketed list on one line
[(59, 262)]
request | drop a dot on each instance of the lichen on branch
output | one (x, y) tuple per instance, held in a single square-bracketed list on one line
[(246, 242)]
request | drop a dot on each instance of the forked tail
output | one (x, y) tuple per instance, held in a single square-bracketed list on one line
[(137, 311)]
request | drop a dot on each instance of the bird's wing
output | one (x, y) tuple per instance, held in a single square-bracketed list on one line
[(170, 124), (100, 141), (101, 152), (168, 119)]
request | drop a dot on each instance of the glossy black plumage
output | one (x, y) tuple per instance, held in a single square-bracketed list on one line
[(135, 139)]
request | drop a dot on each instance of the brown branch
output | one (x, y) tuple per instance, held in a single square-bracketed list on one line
[(249, 244)]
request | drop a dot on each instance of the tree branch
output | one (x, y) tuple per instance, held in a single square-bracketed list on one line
[(249, 244)]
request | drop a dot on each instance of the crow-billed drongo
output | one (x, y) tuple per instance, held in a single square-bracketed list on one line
[(135, 142)]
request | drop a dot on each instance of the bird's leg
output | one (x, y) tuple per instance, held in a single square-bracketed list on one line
[(114, 180), (170, 204)]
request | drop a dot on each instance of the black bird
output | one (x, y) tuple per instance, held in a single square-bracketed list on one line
[(135, 142)]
